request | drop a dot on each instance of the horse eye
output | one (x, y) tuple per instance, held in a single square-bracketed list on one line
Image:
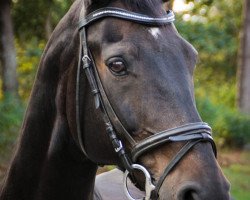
[(118, 68)]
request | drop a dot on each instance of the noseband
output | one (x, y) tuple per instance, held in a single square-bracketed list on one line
[(192, 133)]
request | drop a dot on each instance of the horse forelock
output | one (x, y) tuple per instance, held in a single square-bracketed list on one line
[(150, 7)]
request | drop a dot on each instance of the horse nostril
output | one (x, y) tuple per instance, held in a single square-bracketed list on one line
[(188, 192), (190, 195)]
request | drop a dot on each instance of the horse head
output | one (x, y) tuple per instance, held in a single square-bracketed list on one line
[(146, 71)]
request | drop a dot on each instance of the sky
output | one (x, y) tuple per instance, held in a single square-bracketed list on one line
[(180, 6)]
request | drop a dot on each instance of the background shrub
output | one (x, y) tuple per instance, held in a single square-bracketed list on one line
[(230, 128), (11, 114)]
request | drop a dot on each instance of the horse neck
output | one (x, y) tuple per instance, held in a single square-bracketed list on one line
[(49, 167), (47, 163)]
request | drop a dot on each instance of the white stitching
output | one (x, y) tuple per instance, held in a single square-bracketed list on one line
[(170, 18)]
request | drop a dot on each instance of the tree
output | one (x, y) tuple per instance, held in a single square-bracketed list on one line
[(244, 63), (8, 53), (37, 18)]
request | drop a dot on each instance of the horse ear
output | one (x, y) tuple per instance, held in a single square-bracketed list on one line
[(93, 5), (97, 2), (167, 4)]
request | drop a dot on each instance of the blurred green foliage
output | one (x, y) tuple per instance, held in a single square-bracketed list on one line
[(30, 17), (11, 112), (230, 128), (213, 27), (28, 57), (238, 173)]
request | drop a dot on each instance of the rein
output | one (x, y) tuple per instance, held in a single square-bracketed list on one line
[(193, 133)]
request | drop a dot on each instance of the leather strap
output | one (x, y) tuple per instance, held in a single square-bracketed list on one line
[(78, 136), (184, 150), (111, 113), (199, 130), (169, 17), (95, 84)]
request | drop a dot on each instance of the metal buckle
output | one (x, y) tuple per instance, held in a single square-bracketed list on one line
[(119, 148), (86, 57), (149, 187)]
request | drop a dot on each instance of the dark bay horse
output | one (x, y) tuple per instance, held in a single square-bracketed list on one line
[(140, 71)]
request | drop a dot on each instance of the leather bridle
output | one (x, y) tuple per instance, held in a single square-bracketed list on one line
[(193, 133)]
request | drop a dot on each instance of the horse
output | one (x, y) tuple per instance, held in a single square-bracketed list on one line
[(115, 87)]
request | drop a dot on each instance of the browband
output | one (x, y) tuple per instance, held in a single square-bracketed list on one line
[(169, 17)]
